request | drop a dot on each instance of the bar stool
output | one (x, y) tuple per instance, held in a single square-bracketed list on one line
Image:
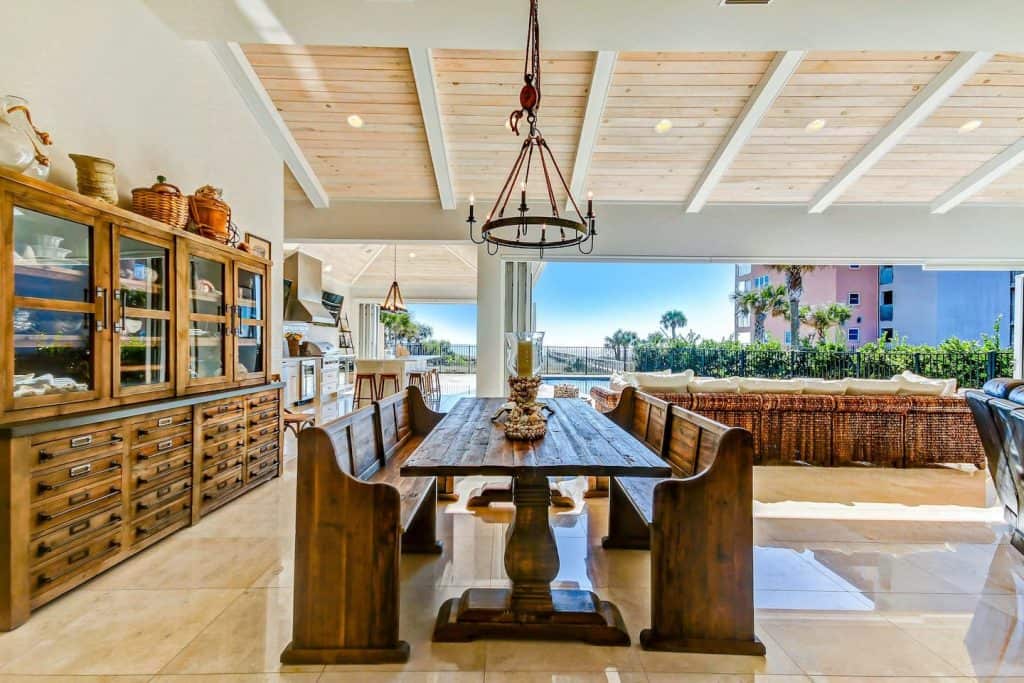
[(416, 379), (296, 422), (361, 380), (386, 377), (434, 384)]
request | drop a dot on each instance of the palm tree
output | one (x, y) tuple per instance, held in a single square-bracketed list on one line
[(620, 341), (671, 320), (794, 281), (840, 314), (759, 304), (655, 338)]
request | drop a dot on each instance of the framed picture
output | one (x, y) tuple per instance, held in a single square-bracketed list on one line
[(258, 245)]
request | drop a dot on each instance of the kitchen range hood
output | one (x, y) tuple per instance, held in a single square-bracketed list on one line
[(305, 303)]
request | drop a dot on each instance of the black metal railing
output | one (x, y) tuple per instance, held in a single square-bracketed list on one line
[(971, 369)]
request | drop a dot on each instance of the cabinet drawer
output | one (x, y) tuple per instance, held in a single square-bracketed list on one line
[(160, 426), (73, 563), (263, 450), (329, 411), (217, 469), (221, 410), (50, 544), (157, 472), (262, 434), (222, 479), (146, 503), (75, 505), (221, 431), (177, 513), (84, 444), (264, 416), (158, 449), (219, 451), (262, 469), (257, 401), (73, 475)]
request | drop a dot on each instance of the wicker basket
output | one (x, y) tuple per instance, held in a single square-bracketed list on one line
[(162, 202), (95, 177)]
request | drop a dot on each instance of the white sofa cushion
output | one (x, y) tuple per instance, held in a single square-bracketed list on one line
[(714, 385), (871, 387), (915, 385), (757, 385), (617, 382), (665, 384), (825, 387)]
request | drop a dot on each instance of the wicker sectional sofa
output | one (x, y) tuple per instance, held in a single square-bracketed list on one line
[(885, 431)]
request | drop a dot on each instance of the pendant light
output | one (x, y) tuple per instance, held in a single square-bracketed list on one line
[(393, 302), (547, 229)]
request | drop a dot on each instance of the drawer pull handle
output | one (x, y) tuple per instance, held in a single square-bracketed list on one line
[(110, 550), (46, 516), (79, 527), (140, 507), (163, 513), (165, 422), (163, 467), (77, 443), (78, 556), (163, 491), (164, 445), (72, 474)]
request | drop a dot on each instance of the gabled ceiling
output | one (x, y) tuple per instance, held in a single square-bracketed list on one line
[(426, 272), (666, 126)]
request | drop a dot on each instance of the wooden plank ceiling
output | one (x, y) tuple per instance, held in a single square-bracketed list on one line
[(317, 88), (854, 94), (699, 93), (937, 154), (477, 90)]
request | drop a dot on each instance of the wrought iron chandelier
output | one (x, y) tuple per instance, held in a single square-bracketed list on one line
[(517, 227), (393, 302)]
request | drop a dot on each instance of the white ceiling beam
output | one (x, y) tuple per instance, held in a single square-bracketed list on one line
[(761, 100), (988, 173), (426, 87), (248, 85), (949, 80), (366, 266), (469, 264), (600, 84)]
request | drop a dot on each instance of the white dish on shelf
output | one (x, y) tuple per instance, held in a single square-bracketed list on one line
[(51, 241), (55, 253)]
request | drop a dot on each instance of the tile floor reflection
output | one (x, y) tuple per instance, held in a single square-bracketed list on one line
[(859, 576)]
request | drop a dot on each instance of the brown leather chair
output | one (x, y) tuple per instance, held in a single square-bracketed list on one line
[(998, 411)]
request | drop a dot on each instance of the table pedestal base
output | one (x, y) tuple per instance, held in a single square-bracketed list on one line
[(487, 613), (499, 493)]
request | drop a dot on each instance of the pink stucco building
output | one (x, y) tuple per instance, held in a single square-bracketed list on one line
[(854, 285)]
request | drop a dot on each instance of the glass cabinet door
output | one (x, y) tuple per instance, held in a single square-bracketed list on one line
[(59, 312), (208, 319), (143, 342), (250, 321)]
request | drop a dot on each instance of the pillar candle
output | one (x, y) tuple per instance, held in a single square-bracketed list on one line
[(524, 358)]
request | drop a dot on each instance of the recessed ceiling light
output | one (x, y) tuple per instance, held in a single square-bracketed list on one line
[(663, 126), (815, 125), (355, 120), (328, 268), (973, 124), (412, 254)]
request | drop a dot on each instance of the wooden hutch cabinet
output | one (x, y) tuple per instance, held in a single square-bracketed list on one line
[(135, 391)]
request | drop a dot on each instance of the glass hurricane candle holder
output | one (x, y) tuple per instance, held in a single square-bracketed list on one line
[(523, 351)]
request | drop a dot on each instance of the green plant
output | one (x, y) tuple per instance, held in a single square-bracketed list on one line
[(619, 341), (759, 304), (794, 282), (671, 320)]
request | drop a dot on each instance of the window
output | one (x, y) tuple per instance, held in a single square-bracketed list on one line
[(743, 320), (885, 275), (742, 269), (789, 337), (761, 281), (886, 334), (854, 267), (887, 298), (853, 334), (853, 298)]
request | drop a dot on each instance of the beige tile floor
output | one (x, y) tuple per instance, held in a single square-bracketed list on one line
[(859, 576)]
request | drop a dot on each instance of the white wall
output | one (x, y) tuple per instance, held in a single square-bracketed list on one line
[(107, 78)]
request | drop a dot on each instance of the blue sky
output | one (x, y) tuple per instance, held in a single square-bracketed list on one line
[(582, 303)]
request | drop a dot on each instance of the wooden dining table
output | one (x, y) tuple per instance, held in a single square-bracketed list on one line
[(579, 441)]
